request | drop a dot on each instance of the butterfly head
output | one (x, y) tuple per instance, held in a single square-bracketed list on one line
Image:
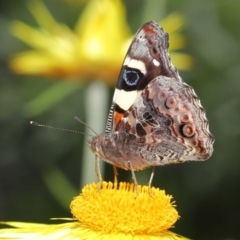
[(96, 145)]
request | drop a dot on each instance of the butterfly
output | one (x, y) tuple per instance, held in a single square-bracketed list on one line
[(155, 117)]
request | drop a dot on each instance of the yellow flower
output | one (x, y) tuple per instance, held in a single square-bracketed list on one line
[(173, 24), (110, 213), (93, 50)]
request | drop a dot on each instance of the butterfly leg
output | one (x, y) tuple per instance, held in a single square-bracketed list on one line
[(133, 177), (150, 181), (98, 171), (115, 175)]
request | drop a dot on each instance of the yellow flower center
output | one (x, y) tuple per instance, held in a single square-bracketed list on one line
[(119, 209)]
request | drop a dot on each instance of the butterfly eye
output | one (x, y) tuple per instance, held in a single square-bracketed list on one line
[(171, 102), (187, 130), (93, 145)]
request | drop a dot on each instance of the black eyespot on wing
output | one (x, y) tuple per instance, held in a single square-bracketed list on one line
[(187, 130), (129, 78)]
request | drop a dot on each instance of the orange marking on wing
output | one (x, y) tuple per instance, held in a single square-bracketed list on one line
[(118, 117), (149, 29)]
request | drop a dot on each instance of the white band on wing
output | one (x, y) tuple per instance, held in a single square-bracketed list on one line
[(125, 99), (137, 64)]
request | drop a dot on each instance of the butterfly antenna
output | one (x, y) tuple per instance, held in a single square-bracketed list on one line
[(57, 128), (81, 121)]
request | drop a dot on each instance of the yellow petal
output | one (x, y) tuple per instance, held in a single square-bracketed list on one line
[(182, 61), (72, 231), (174, 22), (42, 15), (103, 31), (95, 49)]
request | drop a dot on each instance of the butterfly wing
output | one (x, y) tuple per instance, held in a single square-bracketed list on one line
[(147, 57), (155, 118), (166, 124)]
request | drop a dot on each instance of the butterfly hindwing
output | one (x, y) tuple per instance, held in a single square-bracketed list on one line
[(169, 126)]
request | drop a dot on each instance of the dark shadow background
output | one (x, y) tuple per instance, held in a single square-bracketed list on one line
[(207, 194)]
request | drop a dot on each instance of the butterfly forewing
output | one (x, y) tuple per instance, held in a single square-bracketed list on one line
[(146, 58)]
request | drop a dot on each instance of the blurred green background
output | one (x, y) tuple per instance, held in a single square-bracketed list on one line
[(41, 170)]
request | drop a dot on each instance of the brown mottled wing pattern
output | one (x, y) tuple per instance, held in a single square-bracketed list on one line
[(165, 125), (155, 118)]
